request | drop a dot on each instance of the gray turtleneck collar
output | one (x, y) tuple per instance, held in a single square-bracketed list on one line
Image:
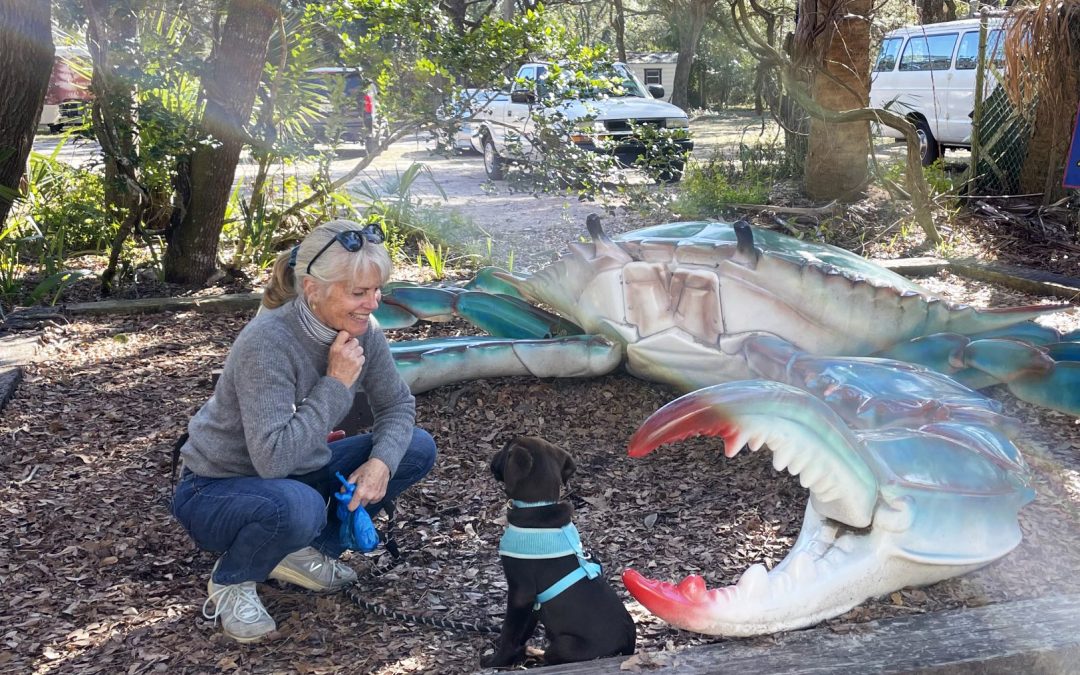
[(315, 329)]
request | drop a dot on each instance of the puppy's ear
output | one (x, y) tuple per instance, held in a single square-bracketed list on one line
[(498, 461), (568, 467), (519, 463)]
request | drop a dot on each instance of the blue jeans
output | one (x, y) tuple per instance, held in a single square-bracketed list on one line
[(255, 522)]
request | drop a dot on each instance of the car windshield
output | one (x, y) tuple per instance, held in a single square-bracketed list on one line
[(619, 81)]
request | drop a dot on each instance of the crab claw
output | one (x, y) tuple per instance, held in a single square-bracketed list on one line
[(888, 508), (809, 440), (805, 436)]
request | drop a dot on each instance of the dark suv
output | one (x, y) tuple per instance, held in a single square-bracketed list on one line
[(359, 108)]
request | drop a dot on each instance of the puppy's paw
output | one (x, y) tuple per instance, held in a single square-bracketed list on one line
[(501, 658)]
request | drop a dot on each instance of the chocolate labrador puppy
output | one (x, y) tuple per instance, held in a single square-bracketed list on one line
[(550, 579)]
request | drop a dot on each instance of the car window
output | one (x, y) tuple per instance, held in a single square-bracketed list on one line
[(630, 82), (354, 84), (322, 84), (968, 52), (527, 73), (931, 52), (890, 49)]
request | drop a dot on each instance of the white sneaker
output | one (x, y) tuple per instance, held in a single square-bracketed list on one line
[(309, 568), (243, 617)]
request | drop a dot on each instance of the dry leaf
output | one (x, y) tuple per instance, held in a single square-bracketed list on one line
[(640, 661)]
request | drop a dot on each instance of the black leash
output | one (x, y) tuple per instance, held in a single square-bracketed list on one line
[(380, 610), (353, 592)]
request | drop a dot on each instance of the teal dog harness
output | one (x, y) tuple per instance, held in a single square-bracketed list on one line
[(538, 543)]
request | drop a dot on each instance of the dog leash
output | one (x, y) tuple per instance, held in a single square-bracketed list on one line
[(352, 592), (438, 622)]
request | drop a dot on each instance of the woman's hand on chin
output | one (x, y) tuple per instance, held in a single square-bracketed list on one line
[(346, 359)]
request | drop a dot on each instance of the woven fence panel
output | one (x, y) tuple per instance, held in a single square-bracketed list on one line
[(1002, 137)]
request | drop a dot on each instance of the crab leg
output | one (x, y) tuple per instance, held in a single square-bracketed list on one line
[(1032, 361), (427, 364), (499, 315)]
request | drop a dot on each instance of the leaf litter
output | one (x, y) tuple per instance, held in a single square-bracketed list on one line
[(98, 577)]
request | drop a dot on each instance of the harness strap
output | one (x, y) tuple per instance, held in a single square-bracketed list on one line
[(586, 570)]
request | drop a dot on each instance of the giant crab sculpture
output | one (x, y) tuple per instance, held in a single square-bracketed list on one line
[(805, 349)]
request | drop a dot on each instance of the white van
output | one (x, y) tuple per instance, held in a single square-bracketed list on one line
[(927, 73)]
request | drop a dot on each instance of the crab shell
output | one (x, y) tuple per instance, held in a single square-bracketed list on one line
[(683, 297)]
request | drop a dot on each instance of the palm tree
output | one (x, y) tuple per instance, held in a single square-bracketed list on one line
[(832, 39), (1042, 75), (26, 60)]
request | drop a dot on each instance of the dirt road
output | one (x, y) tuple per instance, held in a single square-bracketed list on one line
[(531, 228)]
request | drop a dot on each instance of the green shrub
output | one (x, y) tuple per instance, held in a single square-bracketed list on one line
[(65, 209), (709, 187)]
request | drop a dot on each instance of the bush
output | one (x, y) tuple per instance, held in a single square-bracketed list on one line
[(709, 187), (64, 210)]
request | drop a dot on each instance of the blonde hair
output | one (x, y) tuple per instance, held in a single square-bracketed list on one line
[(334, 265)]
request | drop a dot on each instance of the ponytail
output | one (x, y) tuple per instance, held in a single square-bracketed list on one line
[(282, 286)]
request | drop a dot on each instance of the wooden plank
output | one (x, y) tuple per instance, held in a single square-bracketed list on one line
[(1039, 635), (232, 302), (914, 267), (1036, 282), (15, 352)]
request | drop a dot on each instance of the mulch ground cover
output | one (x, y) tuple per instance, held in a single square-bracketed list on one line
[(98, 578)]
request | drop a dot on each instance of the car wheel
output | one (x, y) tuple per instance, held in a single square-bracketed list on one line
[(493, 164), (929, 149)]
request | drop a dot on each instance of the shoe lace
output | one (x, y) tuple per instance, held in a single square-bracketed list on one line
[(339, 570), (336, 568), (241, 599)]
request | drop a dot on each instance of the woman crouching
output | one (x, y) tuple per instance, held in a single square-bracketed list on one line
[(258, 471)]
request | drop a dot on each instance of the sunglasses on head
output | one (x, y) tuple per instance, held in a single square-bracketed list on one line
[(352, 241)]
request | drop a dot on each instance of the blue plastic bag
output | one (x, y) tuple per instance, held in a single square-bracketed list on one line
[(357, 531)]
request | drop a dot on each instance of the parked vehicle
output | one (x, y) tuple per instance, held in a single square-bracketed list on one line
[(69, 89), (927, 73), (602, 120), (463, 111), (358, 113)]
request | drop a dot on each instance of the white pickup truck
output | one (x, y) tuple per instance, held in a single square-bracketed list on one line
[(503, 128)]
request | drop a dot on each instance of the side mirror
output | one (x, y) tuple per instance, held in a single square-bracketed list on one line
[(523, 96), (656, 90)]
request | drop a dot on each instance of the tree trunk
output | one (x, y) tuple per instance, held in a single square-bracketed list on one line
[(112, 37), (458, 11), (690, 20), (620, 30), (935, 11), (837, 157), (1051, 136), (26, 60), (229, 87)]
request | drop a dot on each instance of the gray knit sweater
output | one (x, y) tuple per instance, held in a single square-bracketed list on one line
[(274, 404)]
